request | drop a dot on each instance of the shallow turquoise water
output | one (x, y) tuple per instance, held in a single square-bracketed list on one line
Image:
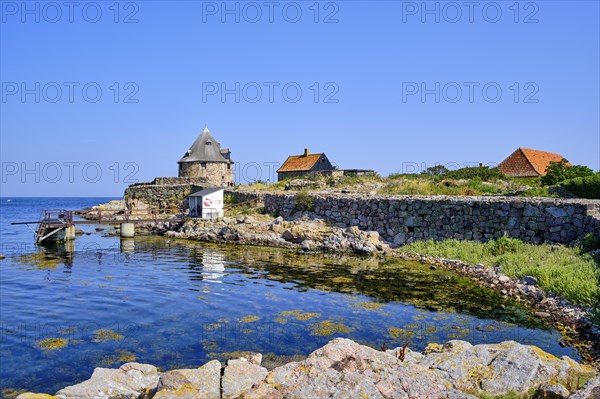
[(178, 304)]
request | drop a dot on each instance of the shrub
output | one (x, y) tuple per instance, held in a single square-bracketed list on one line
[(589, 242), (535, 192), (557, 172), (303, 202), (482, 172), (228, 199), (584, 187), (436, 170), (505, 245)]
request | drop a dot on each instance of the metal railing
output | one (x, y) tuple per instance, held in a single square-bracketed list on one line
[(56, 217)]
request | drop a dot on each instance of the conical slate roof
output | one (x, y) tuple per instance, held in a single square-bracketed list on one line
[(205, 149)]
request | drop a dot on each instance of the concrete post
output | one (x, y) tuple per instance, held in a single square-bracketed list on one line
[(70, 233), (127, 230)]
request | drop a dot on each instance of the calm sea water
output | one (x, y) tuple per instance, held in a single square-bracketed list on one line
[(102, 301)]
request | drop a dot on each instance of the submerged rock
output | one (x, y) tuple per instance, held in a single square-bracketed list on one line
[(130, 381)]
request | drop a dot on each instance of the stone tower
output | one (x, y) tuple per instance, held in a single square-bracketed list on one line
[(206, 160)]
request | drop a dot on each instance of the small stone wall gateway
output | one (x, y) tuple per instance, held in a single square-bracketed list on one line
[(404, 219)]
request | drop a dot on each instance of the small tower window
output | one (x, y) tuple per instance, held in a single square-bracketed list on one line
[(208, 142)]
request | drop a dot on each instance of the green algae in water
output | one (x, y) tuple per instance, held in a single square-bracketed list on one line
[(121, 356), (249, 319), (209, 345), (328, 327), (106, 335), (11, 393), (369, 305), (400, 333), (298, 315), (342, 280), (212, 326), (52, 343), (40, 260)]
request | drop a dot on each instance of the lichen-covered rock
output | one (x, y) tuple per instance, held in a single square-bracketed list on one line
[(239, 376), (498, 369), (201, 383), (345, 369), (254, 358), (551, 391), (130, 381), (591, 390)]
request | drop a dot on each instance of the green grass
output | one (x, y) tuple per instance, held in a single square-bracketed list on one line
[(428, 186), (418, 184), (566, 271)]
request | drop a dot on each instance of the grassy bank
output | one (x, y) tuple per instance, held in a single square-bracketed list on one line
[(419, 184), (567, 271)]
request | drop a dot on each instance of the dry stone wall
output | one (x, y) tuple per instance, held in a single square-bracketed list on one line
[(167, 193), (404, 219)]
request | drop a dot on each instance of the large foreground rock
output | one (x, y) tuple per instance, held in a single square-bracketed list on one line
[(130, 381), (201, 383), (239, 376), (499, 369), (345, 369)]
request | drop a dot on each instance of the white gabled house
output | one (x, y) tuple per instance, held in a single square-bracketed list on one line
[(207, 203)]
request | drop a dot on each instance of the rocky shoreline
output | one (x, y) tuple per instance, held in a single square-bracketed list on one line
[(345, 369)]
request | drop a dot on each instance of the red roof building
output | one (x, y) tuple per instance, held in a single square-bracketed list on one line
[(525, 162), (299, 165)]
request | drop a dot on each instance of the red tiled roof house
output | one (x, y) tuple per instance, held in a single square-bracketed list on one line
[(525, 162), (299, 165)]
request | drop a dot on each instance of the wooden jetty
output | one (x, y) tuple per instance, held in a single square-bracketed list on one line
[(58, 224)]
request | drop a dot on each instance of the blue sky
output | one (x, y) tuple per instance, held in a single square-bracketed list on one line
[(387, 85)]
